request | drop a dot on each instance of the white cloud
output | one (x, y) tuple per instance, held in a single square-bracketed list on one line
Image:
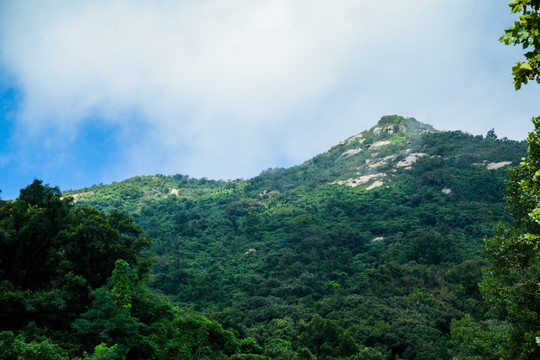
[(228, 88)]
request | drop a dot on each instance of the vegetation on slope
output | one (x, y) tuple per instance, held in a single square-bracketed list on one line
[(370, 248), (73, 285)]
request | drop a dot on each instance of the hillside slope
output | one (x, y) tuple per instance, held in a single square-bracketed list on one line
[(372, 247)]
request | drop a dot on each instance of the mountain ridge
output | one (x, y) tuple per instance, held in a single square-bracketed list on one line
[(370, 155)]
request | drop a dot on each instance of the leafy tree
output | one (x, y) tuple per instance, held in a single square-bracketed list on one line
[(491, 134), (327, 338), (73, 285), (431, 248), (104, 352), (18, 347), (526, 32), (53, 255), (472, 340), (512, 282)]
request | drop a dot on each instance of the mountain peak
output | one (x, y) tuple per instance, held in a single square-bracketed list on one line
[(391, 148), (391, 128), (372, 157), (391, 124)]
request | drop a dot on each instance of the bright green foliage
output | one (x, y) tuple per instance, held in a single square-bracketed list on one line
[(19, 348), (526, 32), (108, 322), (478, 341), (169, 334), (512, 282), (104, 352), (249, 345), (122, 284), (192, 336)]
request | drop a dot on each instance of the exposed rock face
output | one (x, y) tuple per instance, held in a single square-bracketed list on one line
[(361, 180), (376, 150), (497, 165), (395, 144), (353, 138), (269, 194), (358, 138), (375, 184), (77, 197), (409, 160), (377, 164), (381, 143), (351, 152)]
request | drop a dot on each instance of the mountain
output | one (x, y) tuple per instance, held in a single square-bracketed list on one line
[(369, 249)]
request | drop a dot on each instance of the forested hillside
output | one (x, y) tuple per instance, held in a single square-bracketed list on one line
[(367, 251), (73, 285)]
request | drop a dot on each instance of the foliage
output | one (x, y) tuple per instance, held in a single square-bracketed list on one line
[(104, 352), (525, 32), (512, 282), (19, 348), (73, 285), (474, 340)]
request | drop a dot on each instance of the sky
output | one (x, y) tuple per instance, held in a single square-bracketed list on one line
[(99, 91)]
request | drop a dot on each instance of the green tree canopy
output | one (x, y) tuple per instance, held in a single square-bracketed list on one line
[(54, 254), (512, 282), (525, 32), (73, 285)]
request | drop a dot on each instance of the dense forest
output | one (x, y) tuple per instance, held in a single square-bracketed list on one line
[(74, 286), (371, 250)]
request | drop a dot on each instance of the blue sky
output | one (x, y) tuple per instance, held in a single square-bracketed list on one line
[(98, 91)]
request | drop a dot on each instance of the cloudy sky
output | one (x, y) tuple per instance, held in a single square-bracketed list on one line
[(98, 91)]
